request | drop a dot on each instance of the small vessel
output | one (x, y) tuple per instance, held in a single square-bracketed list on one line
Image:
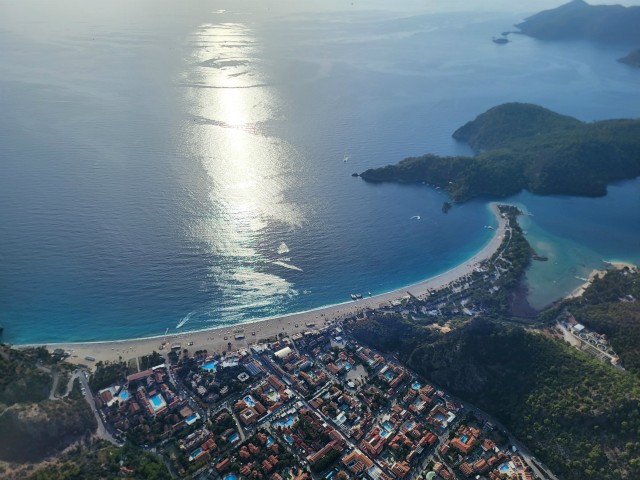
[(369, 293), (417, 217), (488, 227), (353, 296), (358, 296)]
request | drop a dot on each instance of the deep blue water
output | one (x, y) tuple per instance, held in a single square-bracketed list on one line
[(174, 164)]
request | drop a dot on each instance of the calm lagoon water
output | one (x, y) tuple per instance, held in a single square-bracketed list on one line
[(188, 165)]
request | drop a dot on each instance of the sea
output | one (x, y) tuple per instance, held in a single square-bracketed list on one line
[(182, 165)]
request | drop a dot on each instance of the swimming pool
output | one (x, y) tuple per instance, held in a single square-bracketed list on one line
[(416, 386), (347, 366), (231, 476), (269, 441), (210, 365), (157, 402), (124, 395), (385, 429), (464, 438), (195, 453), (288, 439), (287, 422), (249, 401), (389, 375), (234, 438), (504, 467)]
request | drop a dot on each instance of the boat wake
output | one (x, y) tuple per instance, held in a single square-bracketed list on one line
[(184, 320), (417, 217), (287, 265)]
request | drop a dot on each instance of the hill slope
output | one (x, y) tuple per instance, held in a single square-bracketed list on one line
[(580, 416)]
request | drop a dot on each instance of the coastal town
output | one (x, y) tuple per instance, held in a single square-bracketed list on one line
[(309, 400), (312, 405), (323, 399)]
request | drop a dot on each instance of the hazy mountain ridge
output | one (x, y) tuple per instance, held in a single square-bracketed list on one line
[(632, 59), (579, 20)]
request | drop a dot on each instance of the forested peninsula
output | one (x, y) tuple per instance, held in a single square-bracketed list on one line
[(524, 146)]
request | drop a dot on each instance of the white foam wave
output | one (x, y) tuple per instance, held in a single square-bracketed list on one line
[(283, 248), (288, 265), (184, 319)]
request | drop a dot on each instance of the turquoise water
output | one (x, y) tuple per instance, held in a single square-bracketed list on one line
[(157, 401), (234, 438), (288, 421), (416, 386), (440, 417), (385, 429), (504, 467), (230, 476), (249, 400), (187, 169), (464, 438), (124, 395), (210, 365), (579, 235), (196, 452)]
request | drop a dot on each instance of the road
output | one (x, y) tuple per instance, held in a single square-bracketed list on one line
[(101, 431)]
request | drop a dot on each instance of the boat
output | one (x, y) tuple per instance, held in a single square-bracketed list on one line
[(353, 296), (358, 296), (369, 293), (488, 227)]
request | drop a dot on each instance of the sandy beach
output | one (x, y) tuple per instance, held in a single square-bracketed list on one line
[(599, 273), (216, 340)]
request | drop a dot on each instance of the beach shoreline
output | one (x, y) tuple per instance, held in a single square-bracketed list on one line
[(598, 272), (223, 338)]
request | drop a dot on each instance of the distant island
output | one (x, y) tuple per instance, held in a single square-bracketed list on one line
[(632, 59), (579, 20), (524, 146)]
